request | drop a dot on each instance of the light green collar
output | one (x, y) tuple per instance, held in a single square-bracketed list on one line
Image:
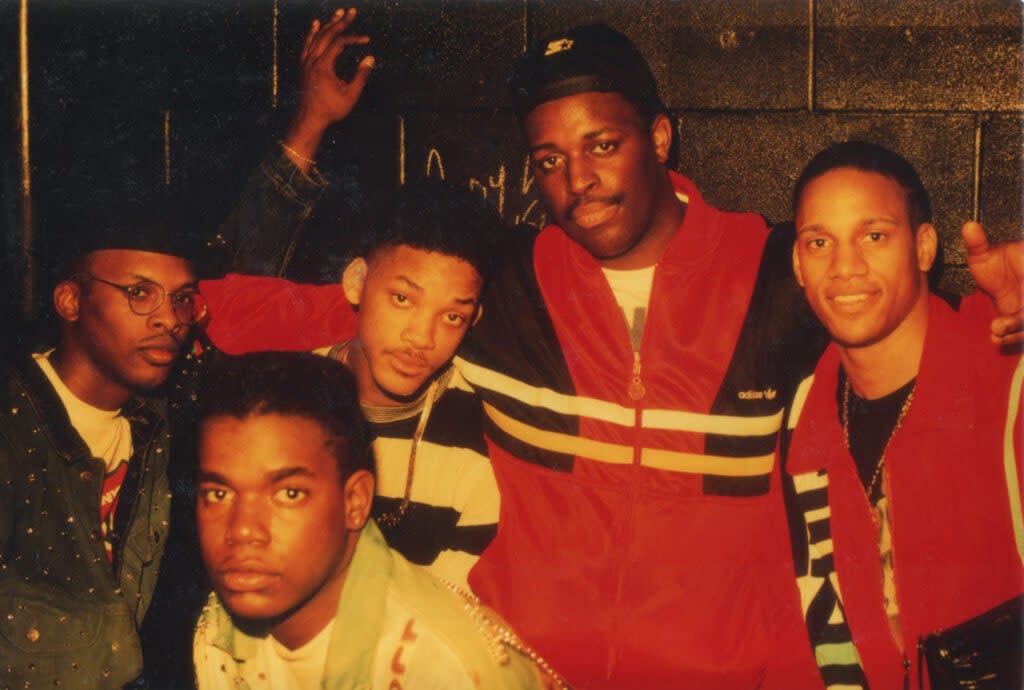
[(358, 618)]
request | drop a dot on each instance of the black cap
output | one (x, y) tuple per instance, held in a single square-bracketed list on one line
[(133, 215), (585, 58), (123, 214)]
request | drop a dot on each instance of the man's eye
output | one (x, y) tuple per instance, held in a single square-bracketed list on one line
[(140, 291), (183, 297), (817, 243), (876, 236), (290, 495), (455, 319), (399, 298), (606, 146), (547, 164), (213, 495)]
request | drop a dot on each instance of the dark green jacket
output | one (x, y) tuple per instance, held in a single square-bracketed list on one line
[(67, 617)]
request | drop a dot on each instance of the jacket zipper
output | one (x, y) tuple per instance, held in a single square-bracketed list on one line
[(636, 389)]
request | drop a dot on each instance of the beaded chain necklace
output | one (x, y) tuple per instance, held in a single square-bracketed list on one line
[(500, 636), (392, 519), (846, 430), (378, 414)]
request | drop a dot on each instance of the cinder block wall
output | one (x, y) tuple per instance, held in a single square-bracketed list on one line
[(195, 92)]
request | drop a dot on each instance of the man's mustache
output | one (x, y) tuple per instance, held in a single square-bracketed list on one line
[(579, 201)]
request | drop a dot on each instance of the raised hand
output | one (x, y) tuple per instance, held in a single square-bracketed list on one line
[(325, 98)]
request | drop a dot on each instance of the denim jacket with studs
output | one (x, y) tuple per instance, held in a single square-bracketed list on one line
[(68, 616)]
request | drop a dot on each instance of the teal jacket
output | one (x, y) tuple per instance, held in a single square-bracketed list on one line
[(396, 626), (67, 618)]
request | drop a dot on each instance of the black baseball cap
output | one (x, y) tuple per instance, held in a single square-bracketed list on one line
[(594, 57)]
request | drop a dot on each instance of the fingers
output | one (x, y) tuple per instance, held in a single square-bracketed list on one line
[(975, 238), (309, 39), (362, 75), (339, 44), (1008, 330), (336, 25)]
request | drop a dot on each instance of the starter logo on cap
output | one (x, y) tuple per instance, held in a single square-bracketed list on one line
[(559, 46)]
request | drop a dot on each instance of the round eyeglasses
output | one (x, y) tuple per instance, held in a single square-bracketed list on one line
[(146, 296)]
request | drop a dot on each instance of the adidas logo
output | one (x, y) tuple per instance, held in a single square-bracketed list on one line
[(766, 394)]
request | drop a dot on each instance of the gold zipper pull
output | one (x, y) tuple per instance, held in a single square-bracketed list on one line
[(636, 386)]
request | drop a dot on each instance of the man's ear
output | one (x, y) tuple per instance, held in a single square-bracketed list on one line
[(661, 137), (477, 314), (927, 244), (359, 489), (796, 266), (354, 279), (67, 299)]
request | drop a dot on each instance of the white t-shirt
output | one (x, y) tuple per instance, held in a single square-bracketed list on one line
[(297, 669), (632, 290), (107, 434)]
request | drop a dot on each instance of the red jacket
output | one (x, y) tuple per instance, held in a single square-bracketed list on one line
[(250, 313), (642, 543), (953, 544)]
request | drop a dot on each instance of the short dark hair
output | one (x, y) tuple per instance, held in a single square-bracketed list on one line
[(587, 58), (869, 157), (293, 383), (436, 216)]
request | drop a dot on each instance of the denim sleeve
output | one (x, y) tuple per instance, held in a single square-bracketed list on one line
[(260, 235)]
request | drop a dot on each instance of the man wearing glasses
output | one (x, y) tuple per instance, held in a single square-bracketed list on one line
[(84, 494)]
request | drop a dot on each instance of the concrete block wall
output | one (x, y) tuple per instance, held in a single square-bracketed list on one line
[(196, 92)]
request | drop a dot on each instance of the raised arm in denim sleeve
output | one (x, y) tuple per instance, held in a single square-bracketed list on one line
[(259, 236)]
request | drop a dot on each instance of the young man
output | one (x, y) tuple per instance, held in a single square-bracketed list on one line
[(307, 592), (634, 362), (416, 288), (84, 501), (906, 457)]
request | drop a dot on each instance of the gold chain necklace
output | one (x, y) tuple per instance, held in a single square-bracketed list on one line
[(392, 519), (846, 430), (383, 415)]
